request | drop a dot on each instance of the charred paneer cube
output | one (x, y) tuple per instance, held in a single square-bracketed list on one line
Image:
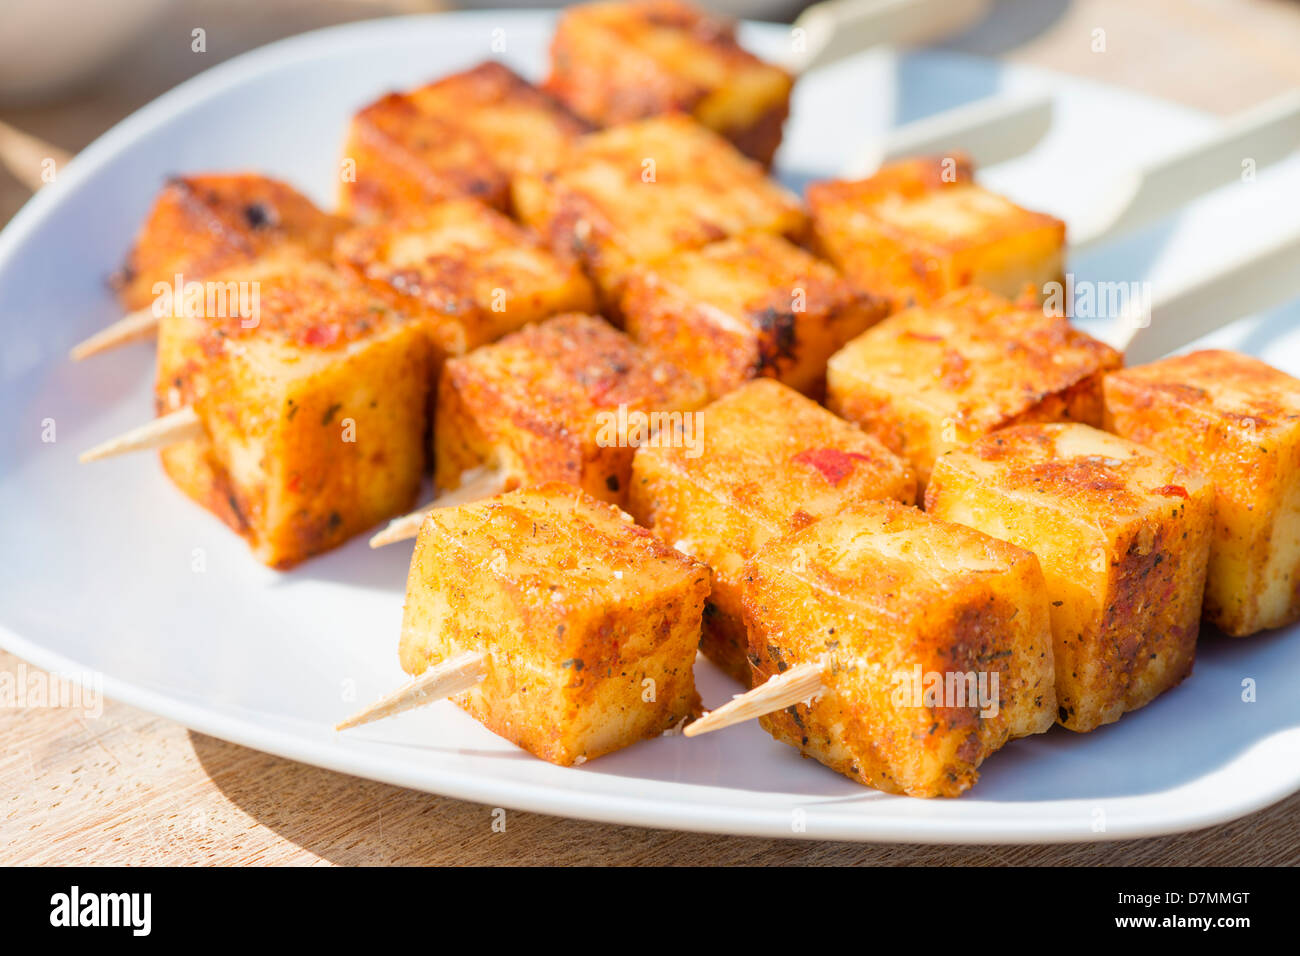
[(934, 643), (745, 308), (1236, 420), (207, 224), (637, 193), (589, 624), (618, 62), (313, 402), (921, 228), (519, 125), (399, 158), (569, 399), (461, 137), (931, 378), (758, 463), (1123, 535), (467, 270)]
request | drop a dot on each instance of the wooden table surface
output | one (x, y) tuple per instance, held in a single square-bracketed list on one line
[(129, 788)]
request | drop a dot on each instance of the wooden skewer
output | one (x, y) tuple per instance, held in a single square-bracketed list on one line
[(450, 677), (24, 155), (140, 324), (178, 426), (1265, 134), (1247, 284), (834, 29), (481, 482), (800, 683), (990, 131)]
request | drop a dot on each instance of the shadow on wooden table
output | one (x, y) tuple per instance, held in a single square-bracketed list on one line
[(350, 821)]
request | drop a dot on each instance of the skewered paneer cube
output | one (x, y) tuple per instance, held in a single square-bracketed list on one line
[(461, 137), (468, 271), (922, 227), (765, 461), (589, 624), (934, 641), (398, 158), (618, 62), (745, 308), (931, 378), (519, 125), (1123, 535), (313, 404), (569, 399), (636, 193), (206, 224), (1236, 420)]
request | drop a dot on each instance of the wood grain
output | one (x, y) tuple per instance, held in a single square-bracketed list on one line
[(129, 788)]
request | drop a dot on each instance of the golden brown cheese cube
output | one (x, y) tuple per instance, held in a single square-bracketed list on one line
[(758, 463), (518, 125), (919, 229), (203, 225), (636, 193), (745, 308), (934, 641), (928, 379), (314, 405), (589, 624), (1236, 420), (398, 157), (618, 62), (1123, 535), (468, 271), (569, 399)]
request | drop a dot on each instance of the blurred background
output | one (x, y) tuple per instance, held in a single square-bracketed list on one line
[(70, 69)]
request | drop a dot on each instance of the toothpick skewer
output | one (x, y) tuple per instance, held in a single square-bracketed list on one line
[(475, 484), (132, 327), (800, 683), (452, 676), (178, 426), (25, 156)]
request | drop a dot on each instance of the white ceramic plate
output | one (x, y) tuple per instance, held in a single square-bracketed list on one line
[(108, 569)]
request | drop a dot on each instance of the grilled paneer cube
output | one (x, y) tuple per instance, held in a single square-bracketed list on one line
[(636, 193), (398, 158), (1235, 420), (204, 225), (758, 463), (929, 379), (520, 126), (461, 137), (314, 405), (589, 624), (745, 308), (468, 271), (934, 641), (1123, 534), (921, 228), (569, 400), (618, 62)]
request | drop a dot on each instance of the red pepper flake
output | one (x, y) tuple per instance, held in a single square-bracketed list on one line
[(294, 483), (320, 335), (1172, 491), (835, 465)]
